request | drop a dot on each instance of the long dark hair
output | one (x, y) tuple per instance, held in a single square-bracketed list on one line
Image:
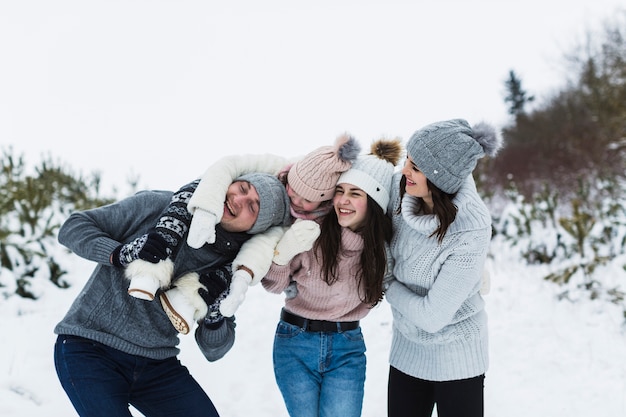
[(443, 207), (376, 230)]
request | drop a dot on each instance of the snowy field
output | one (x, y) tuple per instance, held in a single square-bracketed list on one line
[(549, 358)]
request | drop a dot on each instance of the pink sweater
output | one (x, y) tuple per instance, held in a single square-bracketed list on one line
[(315, 299)]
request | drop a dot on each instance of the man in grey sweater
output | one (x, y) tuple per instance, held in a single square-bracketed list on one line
[(114, 350)]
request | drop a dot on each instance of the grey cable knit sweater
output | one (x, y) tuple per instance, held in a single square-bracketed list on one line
[(440, 325), (104, 312)]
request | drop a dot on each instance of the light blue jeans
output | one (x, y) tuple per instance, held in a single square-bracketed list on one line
[(320, 374)]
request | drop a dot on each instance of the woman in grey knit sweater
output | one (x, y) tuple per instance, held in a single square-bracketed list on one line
[(442, 230), (113, 349)]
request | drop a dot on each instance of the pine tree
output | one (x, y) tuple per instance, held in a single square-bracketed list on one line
[(516, 97)]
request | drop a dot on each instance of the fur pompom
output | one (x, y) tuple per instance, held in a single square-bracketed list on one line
[(486, 135), (347, 148), (388, 149)]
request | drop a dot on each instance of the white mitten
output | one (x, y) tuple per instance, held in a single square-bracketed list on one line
[(297, 239), (238, 287), (146, 278), (201, 229)]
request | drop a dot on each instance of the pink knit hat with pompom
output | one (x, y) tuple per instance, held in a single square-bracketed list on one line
[(315, 176)]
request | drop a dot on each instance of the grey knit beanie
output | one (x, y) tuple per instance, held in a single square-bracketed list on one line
[(372, 173), (273, 201), (447, 152)]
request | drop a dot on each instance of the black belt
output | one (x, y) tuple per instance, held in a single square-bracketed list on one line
[(318, 325)]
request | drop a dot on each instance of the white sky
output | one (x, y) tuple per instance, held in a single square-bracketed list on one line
[(162, 88)]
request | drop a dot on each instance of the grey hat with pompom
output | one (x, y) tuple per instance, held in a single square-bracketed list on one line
[(447, 152)]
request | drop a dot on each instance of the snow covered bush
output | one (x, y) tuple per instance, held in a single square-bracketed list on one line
[(32, 207), (583, 239)]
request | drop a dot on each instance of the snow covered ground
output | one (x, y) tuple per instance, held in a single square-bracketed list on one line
[(549, 358)]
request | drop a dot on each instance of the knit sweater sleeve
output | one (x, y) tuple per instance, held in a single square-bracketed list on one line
[(210, 194), (279, 276), (94, 234), (453, 291)]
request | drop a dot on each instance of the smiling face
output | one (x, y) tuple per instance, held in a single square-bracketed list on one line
[(350, 204), (299, 204), (241, 207), (416, 182)]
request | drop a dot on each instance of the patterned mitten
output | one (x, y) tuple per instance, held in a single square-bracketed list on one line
[(215, 289), (147, 264), (150, 247)]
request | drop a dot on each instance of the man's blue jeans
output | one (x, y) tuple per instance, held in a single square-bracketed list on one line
[(320, 374), (102, 381)]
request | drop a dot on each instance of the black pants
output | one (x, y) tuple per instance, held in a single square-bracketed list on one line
[(413, 397)]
